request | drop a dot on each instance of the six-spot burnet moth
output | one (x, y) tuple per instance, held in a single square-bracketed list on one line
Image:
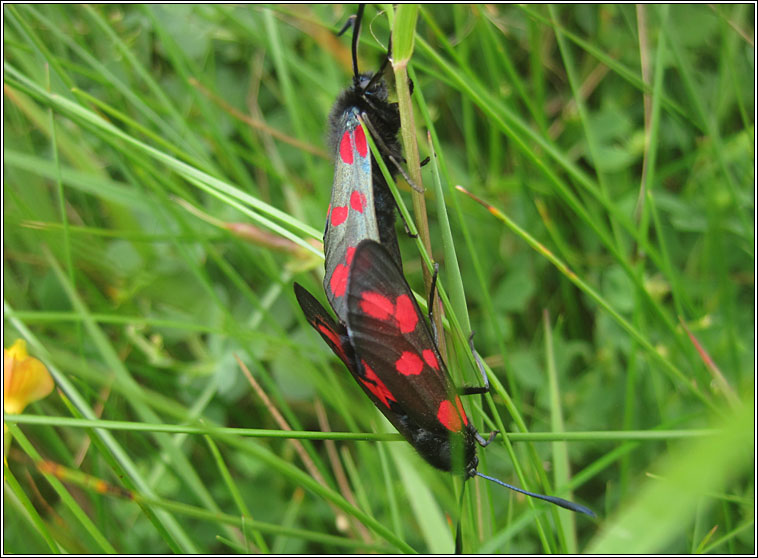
[(361, 205), (389, 349), (381, 335)]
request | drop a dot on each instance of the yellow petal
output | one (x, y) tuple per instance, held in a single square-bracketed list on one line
[(17, 350), (25, 378)]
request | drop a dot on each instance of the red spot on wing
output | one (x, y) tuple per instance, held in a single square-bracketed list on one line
[(380, 307), (376, 386), (406, 314), (330, 333), (449, 416), (349, 254), (357, 201), (335, 339), (338, 282), (430, 359), (409, 364), (339, 215), (346, 149), (376, 305), (360, 142)]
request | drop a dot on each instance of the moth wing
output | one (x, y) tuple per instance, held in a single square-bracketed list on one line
[(336, 336), (352, 215), (393, 340), (333, 333)]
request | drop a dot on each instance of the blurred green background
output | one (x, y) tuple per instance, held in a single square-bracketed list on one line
[(165, 176)]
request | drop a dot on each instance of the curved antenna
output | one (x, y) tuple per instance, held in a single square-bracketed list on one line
[(552, 499), (356, 33), (378, 75)]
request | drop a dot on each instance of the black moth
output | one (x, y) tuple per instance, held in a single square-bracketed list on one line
[(389, 349)]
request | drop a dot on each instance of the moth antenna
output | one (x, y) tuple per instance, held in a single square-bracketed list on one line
[(348, 24), (552, 499), (380, 72), (356, 34)]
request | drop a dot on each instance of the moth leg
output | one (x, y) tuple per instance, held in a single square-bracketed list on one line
[(463, 390), (476, 390), (425, 161), (481, 441), (388, 152), (408, 179), (473, 390), (383, 147)]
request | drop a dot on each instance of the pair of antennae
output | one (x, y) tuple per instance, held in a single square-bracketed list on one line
[(354, 21)]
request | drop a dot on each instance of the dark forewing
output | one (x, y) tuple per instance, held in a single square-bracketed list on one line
[(392, 339)]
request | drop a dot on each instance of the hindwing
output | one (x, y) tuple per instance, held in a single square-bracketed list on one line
[(392, 339), (336, 336)]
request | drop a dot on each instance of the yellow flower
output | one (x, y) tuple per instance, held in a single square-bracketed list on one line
[(25, 379)]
